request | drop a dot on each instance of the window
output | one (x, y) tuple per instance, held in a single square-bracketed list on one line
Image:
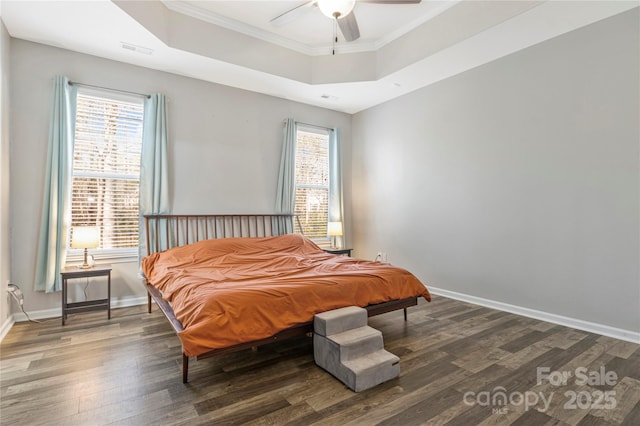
[(106, 169), (312, 182)]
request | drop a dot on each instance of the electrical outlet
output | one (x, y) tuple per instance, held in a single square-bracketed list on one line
[(381, 257), (16, 293)]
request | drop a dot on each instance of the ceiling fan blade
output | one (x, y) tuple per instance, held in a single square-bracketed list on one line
[(292, 14), (390, 1), (349, 27)]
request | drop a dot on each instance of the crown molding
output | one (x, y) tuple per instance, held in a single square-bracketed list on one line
[(193, 11), (437, 10), (189, 9)]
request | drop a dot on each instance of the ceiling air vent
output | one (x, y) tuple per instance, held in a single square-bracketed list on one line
[(134, 48)]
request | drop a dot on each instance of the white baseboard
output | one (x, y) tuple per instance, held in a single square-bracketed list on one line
[(605, 330), (6, 327), (592, 327), (56, 312)]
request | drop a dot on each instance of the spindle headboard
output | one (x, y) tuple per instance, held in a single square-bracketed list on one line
[(164, 231)]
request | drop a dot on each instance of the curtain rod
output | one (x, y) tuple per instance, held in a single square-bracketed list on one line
[(310, 125), (108, 88)]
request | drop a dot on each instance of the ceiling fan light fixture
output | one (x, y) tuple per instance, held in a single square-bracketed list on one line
[(336, 8)]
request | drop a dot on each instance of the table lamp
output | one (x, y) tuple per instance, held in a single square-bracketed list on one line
[(85, 237), (334, 229)]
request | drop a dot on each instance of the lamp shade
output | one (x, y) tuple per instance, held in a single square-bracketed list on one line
[(85, 237), (336, 8), (334, 229)]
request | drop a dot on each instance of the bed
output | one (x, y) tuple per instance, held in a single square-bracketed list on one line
[(232, 282)]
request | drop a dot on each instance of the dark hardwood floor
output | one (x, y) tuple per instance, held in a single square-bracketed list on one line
[(458, 363)]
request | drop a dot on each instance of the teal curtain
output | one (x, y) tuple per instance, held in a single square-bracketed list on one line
[(154, 180), (336, 213), (285, 195), (54, 226)]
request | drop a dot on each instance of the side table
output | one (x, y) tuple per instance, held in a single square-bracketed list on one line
[(72, 272), (341, 251)]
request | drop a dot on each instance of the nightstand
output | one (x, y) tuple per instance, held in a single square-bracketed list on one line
[(72, 272), (341, 251)]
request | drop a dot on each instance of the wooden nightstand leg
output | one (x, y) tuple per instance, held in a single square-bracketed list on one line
[(64, 298), (109, 296), (405, 314)]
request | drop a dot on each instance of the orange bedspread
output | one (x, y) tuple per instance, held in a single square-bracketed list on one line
[(237, 290)]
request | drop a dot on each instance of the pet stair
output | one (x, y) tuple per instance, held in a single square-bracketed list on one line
[(353, 352)]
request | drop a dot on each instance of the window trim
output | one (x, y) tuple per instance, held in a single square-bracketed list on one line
[(114, 255), (323, 242)]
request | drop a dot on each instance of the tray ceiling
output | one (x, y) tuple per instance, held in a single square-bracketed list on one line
[(232, 42)]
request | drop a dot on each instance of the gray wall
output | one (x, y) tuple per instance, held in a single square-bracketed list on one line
[(5, 257), (517, 181), (224, 147)]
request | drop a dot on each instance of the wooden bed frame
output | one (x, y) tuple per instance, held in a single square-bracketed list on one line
[(167, 231)]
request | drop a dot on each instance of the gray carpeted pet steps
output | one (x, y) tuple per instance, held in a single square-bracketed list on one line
[(345, 346)]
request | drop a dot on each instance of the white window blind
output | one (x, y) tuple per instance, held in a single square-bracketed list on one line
[(106, 168), (312, 182)]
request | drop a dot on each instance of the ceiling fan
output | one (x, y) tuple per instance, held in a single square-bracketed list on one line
[(341, 11)]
